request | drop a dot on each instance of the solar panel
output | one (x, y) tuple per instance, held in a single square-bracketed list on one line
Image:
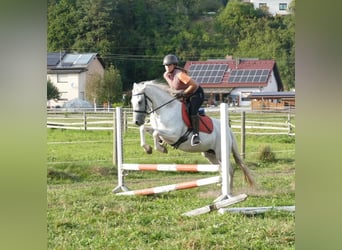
[(207, 73), (251, 75), (70, 58), (53, 59), (83, 59), (77, 59)]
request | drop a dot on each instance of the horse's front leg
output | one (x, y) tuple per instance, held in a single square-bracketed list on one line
[(158, 142), (147, 148)]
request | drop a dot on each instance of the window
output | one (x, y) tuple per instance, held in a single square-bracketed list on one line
[(244, 96), (283, 6), (62, 78), (262, 5), (62, 98)]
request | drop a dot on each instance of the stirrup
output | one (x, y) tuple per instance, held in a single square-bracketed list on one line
[(195, 140)]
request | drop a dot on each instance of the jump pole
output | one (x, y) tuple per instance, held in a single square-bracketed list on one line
[(174, 187), (256, 210), (172, 167), (119, 154), (225, 162)]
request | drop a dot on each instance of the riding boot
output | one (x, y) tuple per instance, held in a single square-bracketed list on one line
[(195, 139)]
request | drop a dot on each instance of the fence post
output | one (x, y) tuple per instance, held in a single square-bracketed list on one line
[(289, 123), (243, 134), (125, 121), (115, 152), (85, 120)]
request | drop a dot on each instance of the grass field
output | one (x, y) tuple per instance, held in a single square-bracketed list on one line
[(83, 213)]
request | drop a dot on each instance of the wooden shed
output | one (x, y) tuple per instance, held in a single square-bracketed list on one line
[(272, 100)]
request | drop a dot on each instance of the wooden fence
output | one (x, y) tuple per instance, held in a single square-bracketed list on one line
[(250, 123)]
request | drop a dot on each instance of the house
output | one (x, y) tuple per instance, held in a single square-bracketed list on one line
[(274, 7), (233, 80), (273, 100), (70, 73)]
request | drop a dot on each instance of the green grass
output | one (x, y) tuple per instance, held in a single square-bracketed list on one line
[(83, 213)]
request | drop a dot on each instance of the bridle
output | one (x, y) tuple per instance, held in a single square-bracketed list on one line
[(146, 104)]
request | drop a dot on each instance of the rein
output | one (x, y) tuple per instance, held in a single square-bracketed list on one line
[(153, 110)]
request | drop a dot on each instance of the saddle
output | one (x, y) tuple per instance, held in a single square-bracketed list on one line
[(205, 124)]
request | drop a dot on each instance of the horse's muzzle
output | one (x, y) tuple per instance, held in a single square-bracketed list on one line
[(138, 123)]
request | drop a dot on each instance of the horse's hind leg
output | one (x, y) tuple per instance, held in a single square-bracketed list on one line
[(211, 157)]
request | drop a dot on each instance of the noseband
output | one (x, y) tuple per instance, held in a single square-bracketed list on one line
[(146, 104)]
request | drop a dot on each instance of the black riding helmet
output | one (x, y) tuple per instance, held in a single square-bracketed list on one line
[(170, 59)]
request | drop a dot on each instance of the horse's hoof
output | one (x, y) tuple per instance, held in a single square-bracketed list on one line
[(148, 149), (165, 150)]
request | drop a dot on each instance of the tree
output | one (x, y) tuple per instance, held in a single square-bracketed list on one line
[(94, 26), (52, 91), (110, 87), (234, 20), (91, 88), (62, 25)]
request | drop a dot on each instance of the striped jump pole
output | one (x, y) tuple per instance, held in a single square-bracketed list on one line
[(174, 187), (172, 167)]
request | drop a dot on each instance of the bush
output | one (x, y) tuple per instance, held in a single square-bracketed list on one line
[(117, 104), (265, 154)]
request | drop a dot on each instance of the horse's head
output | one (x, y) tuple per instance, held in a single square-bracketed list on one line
[(148, 97), (139, 104)]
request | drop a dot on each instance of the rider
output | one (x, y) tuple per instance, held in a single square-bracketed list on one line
[(191, 91)]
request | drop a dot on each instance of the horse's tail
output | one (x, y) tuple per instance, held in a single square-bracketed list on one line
[(247, 173)]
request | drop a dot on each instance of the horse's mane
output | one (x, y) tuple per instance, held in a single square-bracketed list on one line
[(163, 86)]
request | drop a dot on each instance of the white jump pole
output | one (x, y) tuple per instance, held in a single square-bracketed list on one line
[(225, 153), (121, 184), (256, 210)]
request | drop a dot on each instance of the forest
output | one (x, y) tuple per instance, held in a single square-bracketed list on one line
[(133, 36)]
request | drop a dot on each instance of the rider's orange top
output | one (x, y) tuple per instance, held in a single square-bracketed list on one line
[(178, 79)]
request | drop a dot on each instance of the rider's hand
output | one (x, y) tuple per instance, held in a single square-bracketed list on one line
[(178, 94)]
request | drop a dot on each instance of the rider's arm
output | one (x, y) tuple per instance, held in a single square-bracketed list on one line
[(191, 84)]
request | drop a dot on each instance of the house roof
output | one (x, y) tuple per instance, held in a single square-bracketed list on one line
[(233, 73), (75, 62)]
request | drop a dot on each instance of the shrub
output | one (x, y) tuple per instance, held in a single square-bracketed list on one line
[(265, 154)]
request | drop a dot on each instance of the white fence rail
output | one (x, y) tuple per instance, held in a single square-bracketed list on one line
[(81, 121)]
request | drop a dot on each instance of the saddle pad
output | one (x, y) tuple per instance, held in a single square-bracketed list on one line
[(205, 124)]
